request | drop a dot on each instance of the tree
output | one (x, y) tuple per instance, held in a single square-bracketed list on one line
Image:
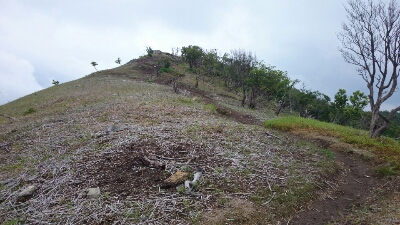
[(118, 61), (371, 42), (242, 63), (256, 82), (94, 64), (354, 110), (211, 62), (193, 56), (55, 82), (340, 100), (149, 51)]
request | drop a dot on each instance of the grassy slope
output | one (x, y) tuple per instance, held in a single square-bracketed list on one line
[(385, 149), (52, 147)]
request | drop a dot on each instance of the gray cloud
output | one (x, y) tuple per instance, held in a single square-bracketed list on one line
[(60, 38)]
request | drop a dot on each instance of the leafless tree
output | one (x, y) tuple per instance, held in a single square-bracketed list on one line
[(371, 41)]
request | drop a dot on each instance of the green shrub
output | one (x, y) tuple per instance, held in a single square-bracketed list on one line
[(164, 70), (149, 51), (29, 111), (386, 171), (210, 107)]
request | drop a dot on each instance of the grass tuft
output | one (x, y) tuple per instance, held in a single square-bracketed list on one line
[(384, 148), (29, 111), (386, 171), (210, 107)]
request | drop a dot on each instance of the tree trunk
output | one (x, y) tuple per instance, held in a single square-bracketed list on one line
[(244, 98), (280, 107), (252, 101), (197, 82)]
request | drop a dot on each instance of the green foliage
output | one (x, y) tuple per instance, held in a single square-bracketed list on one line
[(13, 222), (346, 113), (211, 62), (166, 66), (260, 196), (181, 189), (29, 111), (192, 55), (210, 107), (386, 171), (340, 100), (164, 70), (118, 61), (167, 63), (386, 149), (394, 128), (291, 198), (149, 51), (55, 82), (94, 64)]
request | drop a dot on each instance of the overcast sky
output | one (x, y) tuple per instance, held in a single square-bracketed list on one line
[(45, 40)]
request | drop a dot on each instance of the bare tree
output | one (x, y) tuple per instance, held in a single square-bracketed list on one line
[(371, 41)]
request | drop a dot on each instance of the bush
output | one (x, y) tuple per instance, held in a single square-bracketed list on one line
[(29, 111), (164, 70), (149, 51), (167, 64), (210, 107), (386, 171)]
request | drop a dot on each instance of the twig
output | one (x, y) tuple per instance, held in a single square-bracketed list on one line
[(358, 181), (269, 134), (269, 186), (267, 202)]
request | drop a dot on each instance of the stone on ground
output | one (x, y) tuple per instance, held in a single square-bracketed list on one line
[(26, 193), (93, 193)]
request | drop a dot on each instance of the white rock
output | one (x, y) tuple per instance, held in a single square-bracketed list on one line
[(26, 193), (93, 193)]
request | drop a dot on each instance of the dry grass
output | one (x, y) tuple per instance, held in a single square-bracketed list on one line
[(56, 147)]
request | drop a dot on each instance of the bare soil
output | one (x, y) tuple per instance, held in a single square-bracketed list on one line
[(359, 188), (353, 190)]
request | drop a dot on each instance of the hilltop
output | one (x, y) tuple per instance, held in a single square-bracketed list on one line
[(111, 129)]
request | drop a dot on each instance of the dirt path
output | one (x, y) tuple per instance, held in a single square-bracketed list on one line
[(353, 191)]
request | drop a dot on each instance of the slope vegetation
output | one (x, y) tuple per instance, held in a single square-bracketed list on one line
[(104, 129)]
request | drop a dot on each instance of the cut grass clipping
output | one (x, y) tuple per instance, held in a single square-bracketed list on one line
[(384, 148)]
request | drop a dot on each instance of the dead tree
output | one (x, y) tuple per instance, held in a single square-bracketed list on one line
[(371, 42)]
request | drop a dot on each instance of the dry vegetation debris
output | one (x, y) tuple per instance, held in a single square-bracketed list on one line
[(99, 131)]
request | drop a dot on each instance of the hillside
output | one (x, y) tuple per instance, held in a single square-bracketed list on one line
[(111, 129)]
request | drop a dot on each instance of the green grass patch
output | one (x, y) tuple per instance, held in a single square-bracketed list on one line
[(210, 107), (384, 148), (13, 222), (14, 167), (29, 111), (294, 196), (386, 171)]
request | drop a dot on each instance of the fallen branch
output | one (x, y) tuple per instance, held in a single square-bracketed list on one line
[(267, 202), (269, 134), (154, 164)]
